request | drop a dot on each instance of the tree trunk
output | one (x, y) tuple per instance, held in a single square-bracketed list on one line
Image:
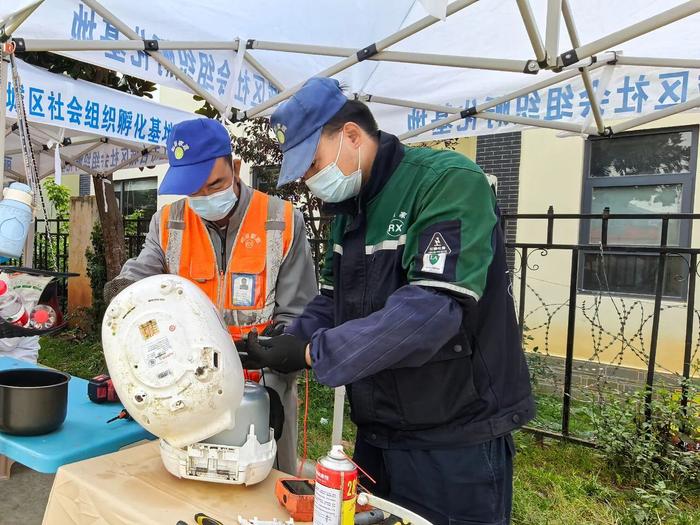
[(112, 225)]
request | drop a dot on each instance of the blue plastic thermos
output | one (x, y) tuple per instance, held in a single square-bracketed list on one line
[(16, 217)]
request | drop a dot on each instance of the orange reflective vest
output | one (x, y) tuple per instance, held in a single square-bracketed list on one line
[(244, 291)]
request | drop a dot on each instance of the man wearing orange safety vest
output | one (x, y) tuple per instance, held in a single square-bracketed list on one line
[(246, 250)]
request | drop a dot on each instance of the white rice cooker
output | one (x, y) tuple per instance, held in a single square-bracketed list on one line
[(177, 372)]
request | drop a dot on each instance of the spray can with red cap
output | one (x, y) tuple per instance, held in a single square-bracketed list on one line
[(335, 491)]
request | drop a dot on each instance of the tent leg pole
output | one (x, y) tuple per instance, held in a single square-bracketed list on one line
[(531, 27), (157, 55), (3, 114), (552, 35), (338, 410), (28, 259)]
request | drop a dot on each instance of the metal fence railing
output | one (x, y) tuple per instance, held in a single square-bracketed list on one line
[(317, 230), (664, 256), (135, 231), (598, 256)]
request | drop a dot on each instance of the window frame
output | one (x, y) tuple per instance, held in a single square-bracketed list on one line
[(686, 180), (120, 196)]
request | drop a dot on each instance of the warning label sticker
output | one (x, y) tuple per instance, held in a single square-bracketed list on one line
[(158, 352), (435, 254), (437, 244)]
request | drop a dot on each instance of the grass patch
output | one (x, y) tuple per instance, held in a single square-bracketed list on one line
[(564, 483), (73, 353), (549, 415), (320, 420)]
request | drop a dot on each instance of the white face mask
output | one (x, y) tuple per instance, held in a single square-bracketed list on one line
[(216, 206), (332, 185)]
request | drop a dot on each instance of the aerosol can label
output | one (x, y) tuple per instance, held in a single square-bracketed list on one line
[(335, 494)]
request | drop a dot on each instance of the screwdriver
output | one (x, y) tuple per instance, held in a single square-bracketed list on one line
[(203, 519), (122, 415)]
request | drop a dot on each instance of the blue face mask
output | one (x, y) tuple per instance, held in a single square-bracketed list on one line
[(332, 185), (216, 206)]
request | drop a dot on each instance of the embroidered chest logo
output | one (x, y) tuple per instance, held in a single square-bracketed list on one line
[(397, 224), (250, 240), (436, 254)]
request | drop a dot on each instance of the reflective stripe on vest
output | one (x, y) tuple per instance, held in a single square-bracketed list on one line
[(245, 292)]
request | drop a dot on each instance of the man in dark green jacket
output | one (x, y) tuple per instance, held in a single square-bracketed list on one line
[(415, 315)]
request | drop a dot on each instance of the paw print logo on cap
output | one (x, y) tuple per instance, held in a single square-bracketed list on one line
[(179, 148), (280, 131)]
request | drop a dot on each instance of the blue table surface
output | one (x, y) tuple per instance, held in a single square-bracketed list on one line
[(85, 433)]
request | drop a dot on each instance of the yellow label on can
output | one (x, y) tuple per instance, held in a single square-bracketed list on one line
[(347, 512)]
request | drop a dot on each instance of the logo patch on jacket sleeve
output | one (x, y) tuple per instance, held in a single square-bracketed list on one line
[(436, 254), (439, 247)]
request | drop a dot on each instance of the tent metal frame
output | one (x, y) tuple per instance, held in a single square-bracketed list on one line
[(581, 59), (546, 57)]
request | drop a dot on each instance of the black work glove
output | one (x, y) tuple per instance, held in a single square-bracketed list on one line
[(273, 329), (248, 363), (285, 353)]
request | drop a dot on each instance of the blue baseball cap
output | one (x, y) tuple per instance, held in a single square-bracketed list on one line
[(193, 146), (298, 123)]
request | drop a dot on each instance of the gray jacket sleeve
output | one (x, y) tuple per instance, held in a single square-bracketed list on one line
[(151, 260), (296, 283)]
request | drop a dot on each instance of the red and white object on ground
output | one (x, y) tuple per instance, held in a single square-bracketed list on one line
[(335, 490), (12, 307)]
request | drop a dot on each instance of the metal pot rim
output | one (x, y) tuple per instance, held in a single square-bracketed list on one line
[(66, 378)]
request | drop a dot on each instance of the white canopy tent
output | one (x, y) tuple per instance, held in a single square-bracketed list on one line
[(429, 69), (487, 66)]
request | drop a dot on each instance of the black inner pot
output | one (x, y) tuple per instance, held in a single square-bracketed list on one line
[(31, 378), (33, 401)]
